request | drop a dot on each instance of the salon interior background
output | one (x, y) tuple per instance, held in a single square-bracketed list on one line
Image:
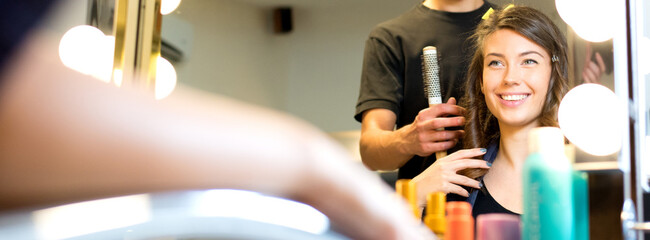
[(312, 72)]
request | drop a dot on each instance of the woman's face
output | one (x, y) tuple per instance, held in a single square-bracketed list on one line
[(516, 74)]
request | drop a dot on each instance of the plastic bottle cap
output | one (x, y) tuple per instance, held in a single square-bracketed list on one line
[(406, 189), (546, 140), (498, 226), (459, 208)]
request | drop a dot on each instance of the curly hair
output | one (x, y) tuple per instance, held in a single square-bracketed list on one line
[(481, 126)]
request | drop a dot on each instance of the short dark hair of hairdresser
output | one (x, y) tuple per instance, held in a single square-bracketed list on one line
[(481, 126)]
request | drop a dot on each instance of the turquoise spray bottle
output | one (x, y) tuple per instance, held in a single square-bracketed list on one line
[(547, 187)]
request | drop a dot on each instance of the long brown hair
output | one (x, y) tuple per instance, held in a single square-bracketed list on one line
[(481, 126)]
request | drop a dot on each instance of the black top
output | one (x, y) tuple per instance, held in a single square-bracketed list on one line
[(485, 203), (17, 17), (481, 200), (392, 71)]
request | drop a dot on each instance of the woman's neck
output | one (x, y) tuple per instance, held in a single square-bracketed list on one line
[(513, 145), (453, 5)]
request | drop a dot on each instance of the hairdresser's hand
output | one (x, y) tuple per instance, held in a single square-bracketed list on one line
[(423, 137), (356, 201), (442, 175), (383, 148), (592, 71)]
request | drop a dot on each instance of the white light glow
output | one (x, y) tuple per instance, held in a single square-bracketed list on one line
[(87, 50), (118, 75), (165, 78), (104, 60), (592, 20), (168, 6), (592, 118), (91, 217), (256, 207), (78, 48)]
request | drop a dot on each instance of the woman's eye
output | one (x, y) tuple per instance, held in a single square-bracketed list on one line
[(530, 61), (494, 64)]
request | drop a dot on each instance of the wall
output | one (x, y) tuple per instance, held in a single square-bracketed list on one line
[(326, 55), (233, 52), (312, 72)]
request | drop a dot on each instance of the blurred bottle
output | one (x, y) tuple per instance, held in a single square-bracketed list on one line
[(435, 217), (460, 223), (406, 189), (580, 197), (547, 187), (498, 226)]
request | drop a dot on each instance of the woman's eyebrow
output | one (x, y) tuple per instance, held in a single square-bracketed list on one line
[(521, 54)]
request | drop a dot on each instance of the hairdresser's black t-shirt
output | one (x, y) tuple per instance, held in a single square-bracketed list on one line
[(392, 71), (17, 17)]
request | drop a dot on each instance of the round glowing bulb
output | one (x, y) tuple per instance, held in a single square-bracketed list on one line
[(78, 48), (168, 6), (592, 118), (592, 20), (165, 78), (103, 67)]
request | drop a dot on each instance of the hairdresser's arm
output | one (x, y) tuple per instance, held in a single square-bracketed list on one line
[(67, 138), (383, 148)]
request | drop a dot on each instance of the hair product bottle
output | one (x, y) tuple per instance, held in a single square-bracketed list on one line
[(406, 189), (498, 226), (435, 217), (580, 198), (547, 187), (460, 223)]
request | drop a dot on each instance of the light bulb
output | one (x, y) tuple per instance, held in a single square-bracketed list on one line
[(78, 48), (165, 78), (104, 59), (592, 118), (592, 20), (168, 6)]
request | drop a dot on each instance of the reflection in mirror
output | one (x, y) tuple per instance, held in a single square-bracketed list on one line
[(229, 47)]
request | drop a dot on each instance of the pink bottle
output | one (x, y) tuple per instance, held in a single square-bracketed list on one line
[(498, 226)]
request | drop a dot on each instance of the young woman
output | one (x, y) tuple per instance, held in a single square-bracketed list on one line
[(516, 80)]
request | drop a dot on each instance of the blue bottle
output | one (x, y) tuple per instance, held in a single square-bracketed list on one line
[(547, 188), (581, 205)]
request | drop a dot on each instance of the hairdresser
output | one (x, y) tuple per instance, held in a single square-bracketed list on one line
[(398, 128)]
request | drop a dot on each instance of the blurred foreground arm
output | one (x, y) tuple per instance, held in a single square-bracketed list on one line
[(65, 138)]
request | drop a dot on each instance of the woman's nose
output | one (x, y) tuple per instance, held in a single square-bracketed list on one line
[(512, 76)]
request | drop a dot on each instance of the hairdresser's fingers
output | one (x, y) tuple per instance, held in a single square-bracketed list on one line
[(468, 163), (441, 135), (467, 153), (588, 75), (595, 69), (452, 101), (443, 122), (601, 63), (441, 110)]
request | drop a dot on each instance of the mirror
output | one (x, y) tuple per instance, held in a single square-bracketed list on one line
[(304, 57)]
